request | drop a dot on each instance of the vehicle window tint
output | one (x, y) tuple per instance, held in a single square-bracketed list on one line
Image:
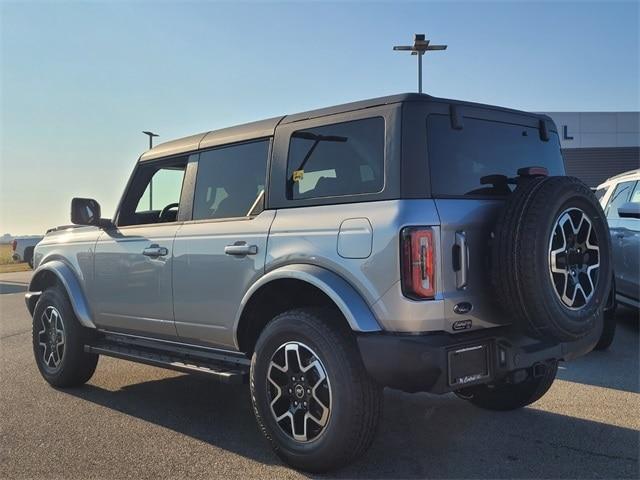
[(340, 159), (459, 159), (635, 196), (619, 196), (230, 181), (163, 189), (154, 193)]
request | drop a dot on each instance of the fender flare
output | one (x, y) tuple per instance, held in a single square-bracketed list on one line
[(347, 299), (71, 284)]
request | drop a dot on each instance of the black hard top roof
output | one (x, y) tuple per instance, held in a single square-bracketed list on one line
[(266, 128)]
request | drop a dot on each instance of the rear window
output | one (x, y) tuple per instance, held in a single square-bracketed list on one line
[(459, 159), (333, 160)]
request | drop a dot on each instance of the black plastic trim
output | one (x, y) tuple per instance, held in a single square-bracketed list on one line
[(419, 363)]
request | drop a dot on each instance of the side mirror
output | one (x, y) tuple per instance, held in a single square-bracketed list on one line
[(629, 210), (85, 211)]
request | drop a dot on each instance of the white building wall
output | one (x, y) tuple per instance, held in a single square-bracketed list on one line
[(597, 129)]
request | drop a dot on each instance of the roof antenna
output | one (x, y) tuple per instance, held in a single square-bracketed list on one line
[(420, 47)]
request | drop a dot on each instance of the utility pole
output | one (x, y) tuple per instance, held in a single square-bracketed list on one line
[(151, 135), (420, 47)]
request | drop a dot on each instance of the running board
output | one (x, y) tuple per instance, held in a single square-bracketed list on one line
[(224, 371)]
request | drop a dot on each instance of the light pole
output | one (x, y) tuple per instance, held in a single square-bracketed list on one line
[(151, 135), (420, 47)]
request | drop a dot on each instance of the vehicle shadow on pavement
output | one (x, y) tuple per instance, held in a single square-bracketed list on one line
[(424, 436), (192, 405), (616, 368), (420, 435)]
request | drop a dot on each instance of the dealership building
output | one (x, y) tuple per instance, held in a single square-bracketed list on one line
[(598, 145)]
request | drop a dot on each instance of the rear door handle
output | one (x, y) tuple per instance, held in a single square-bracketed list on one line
[(241, 249), (155, 250), (462, 271)]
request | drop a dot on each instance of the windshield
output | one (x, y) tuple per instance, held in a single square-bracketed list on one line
[(459, 159)]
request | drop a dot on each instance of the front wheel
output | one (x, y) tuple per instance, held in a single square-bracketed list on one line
[(311, 395), (510, 396), (58, 341)]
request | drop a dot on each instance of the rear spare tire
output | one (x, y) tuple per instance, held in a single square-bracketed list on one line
[(551, 266)]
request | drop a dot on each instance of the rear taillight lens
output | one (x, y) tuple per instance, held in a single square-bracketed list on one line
[(417, 262), (14, 244)]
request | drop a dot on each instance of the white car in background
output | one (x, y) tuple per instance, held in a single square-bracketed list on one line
[(620, 199), (22, 249)]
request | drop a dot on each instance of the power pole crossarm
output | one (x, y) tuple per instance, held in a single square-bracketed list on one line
[(419, 48)]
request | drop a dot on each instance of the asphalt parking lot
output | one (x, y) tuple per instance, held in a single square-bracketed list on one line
[(135, 421)]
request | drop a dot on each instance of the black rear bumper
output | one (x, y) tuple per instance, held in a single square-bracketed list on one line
[(422, 363)]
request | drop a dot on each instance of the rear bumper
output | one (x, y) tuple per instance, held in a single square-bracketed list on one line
[(421, 363)]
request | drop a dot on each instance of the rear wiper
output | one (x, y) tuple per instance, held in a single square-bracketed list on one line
[(316, 141)]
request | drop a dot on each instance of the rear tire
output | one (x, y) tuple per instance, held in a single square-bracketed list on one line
[(58, 341), (509, 396), (353, 399)]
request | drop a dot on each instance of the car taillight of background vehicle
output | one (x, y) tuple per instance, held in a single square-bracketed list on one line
[(14, 244), (417, 262)]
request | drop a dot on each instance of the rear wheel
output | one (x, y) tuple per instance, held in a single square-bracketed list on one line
[(58, 341), (311, 395), (510, 396)]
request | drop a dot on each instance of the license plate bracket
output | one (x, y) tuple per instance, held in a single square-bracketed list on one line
[(468, 365)]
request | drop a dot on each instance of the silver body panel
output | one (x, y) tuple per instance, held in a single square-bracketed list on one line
[(346, 246), (208, 284), (130, 291), (625, 249)]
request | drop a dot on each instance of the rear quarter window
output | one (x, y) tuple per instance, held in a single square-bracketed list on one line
[(459, 159), (336, 160)]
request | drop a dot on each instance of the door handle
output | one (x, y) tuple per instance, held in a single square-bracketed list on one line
[(462, 270), (155, 250), (241, 249)]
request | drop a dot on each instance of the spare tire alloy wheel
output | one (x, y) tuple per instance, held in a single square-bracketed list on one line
[(574, 258), (299, 392), (51, 338)]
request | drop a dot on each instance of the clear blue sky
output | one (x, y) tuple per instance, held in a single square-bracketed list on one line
[(80, 80)]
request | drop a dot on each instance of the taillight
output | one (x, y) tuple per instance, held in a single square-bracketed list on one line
[(14, 245), (417, 262)]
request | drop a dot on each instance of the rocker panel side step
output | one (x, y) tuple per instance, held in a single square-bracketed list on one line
[(226, 372)]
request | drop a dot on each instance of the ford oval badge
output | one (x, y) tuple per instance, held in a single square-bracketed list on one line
[(462, 308)]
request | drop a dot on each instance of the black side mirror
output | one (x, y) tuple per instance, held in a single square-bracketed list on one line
[(629, 210), (85, 211)]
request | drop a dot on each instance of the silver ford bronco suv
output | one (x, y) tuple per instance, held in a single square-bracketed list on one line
[(410, 242)]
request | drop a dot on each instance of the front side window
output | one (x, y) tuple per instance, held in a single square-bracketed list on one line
[(230, 181), (163, 189), (154, 193), (333, 160), (619, 197)]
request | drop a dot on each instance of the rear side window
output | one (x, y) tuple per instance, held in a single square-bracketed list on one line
[(230, 181), (459, 159), (334, 160)]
